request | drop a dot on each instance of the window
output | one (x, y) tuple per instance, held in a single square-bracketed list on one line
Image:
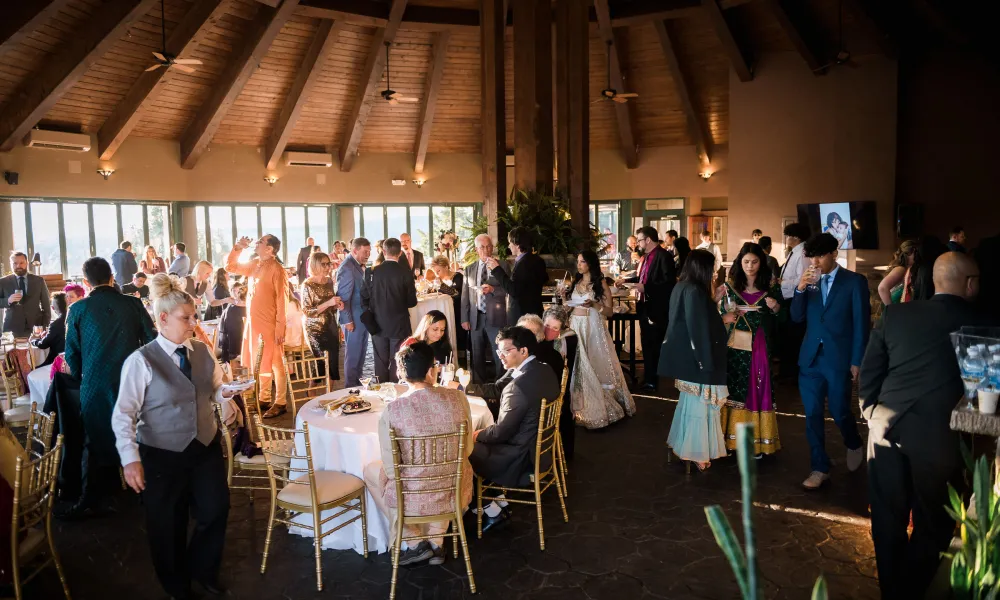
[(357, 221), (132, 228), (202, 229), (246, 225), (396, 221), (159, 230), (20, 227), (78, 237), (373, 223), (295, 231), (106, 230), (45, 235), (319, 227), (420, 228), (221, 235), (463, 222), (442, 221)]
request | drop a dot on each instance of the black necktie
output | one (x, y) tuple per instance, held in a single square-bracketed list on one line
[(181, 351), (20, 285)]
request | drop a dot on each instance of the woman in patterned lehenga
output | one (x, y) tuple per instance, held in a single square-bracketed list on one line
[(748, 372)]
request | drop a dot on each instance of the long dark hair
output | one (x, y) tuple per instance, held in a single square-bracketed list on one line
[(682, 247), (738, 277), (830, 218), (922, 270), (596, 276), (432, 317), (699, 269)]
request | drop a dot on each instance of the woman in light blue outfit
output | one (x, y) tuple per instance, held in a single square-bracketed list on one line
[(694, 353)]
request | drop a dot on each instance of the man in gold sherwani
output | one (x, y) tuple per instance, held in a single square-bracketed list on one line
[(267, 287)]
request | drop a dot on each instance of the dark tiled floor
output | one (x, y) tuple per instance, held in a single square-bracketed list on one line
[(637, 530)]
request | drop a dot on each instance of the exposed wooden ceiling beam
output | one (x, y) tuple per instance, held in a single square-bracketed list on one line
[(22, 18), (126, 115), (623, 110), (740, 58), (247, 56), (792, 20), (370, 78), (40, 93), (862, 11), (438, 56), (682, 82), (309, 71)]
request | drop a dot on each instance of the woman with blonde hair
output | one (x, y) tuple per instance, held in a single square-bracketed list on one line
[(217, 295), (890, 289), (320, 306), (151, 264), (168, 440)]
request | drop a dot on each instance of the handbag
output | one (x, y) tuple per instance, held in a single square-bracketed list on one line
[(740, 339)]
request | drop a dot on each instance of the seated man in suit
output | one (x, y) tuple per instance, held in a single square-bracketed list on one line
[(910, 382), (504, 452), (835, 306)]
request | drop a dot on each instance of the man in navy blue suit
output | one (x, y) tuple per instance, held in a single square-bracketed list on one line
[(834, 304)]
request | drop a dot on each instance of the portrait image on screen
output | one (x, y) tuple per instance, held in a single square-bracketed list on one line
[(835, 219)]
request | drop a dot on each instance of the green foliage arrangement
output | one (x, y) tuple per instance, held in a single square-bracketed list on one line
[(744, 562), (975, 569), (548, 217)]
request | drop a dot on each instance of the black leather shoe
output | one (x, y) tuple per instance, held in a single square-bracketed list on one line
[(214, 589), (497, 521), (648, 387)]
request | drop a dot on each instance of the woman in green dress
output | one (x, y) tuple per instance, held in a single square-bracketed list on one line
[(757, 303)]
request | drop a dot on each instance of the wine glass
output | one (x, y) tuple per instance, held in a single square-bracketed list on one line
[(465, 378), (365, 382)]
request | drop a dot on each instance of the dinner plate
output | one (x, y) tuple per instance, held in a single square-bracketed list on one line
[(238, 386)]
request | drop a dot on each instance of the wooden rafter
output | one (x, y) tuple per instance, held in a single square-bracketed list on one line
[(370, 78), (126, 115), (263, 29), (63, 70), (24, 17), (739, 57), (793, 23), (682, 82), (439, 54), (492, 113), (623, 111), (305, 79)]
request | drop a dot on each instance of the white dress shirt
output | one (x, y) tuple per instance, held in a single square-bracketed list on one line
[(136, 375), (520, 368), (792, 270), (714, 249)]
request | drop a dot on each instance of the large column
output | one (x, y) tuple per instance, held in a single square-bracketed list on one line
[(492, 22), (572, 109), (533, 155)]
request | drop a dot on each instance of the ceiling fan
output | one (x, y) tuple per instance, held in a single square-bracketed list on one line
[(388, 94), (843, 56), (164, 58), (610, 93)]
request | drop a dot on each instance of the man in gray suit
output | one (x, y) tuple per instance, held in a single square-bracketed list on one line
[(350, 276), (504, 452), (25, 298), (484, 311), (123, 264)]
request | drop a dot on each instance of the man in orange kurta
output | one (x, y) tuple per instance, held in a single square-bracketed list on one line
[(267, 287)]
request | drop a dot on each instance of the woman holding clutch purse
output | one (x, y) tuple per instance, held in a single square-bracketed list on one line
[(751, 339)]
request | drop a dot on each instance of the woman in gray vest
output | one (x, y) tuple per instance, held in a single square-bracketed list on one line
[(168, 440)]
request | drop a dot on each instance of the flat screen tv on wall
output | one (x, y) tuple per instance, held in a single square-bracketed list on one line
[(854, 224)]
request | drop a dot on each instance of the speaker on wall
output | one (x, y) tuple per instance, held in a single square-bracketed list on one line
[(909, 220), (10, 177)]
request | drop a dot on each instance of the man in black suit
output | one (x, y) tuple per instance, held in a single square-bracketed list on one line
[(484, 311), (302, 264), (524, 284), (410, 258), (654, 281), (504, 452), (909, 384), (25, 298), (389, 296)]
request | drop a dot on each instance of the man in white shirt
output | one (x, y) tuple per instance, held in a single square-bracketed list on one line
[(706, 244), (791, 273)]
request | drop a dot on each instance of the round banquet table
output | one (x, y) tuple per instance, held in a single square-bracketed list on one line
[(443, 303), (39, 383), (347, 443)]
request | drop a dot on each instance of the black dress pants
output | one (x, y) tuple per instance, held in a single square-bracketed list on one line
[(385, 349), (652, 339), (909, 469), (484, 349), (181, 485)]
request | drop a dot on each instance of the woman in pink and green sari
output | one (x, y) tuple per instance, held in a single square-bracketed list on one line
[(757, 304)]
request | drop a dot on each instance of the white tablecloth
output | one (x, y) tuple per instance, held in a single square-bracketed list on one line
[(347, 443), (38, 355), (38, 384), (445, 304)]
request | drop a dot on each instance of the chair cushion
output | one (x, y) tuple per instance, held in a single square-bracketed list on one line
[(24, 400), (330, 486), (18, 414), (259, 459)]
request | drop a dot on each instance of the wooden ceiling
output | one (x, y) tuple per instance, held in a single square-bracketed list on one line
[(295, 76)]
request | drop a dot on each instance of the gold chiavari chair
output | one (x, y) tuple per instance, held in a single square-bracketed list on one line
[(311, 492), (562, 470), (542, 480), (240, 467), (307, 378), (443, 456), (25, 343), (17, 403), (34, 495), (252, 400), (40, 428)]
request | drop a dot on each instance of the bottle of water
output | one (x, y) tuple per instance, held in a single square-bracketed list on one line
[(993, 371), (973, 370)]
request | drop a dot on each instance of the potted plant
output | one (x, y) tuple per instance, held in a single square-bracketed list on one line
[(548, 217)]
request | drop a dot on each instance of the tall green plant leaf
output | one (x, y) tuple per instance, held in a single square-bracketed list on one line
[(748, 480), (730, 546), (819, 589)]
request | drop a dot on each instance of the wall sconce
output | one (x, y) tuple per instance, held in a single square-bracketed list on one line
[(419, 183), (705, 175), (271, 179), (106, 172)]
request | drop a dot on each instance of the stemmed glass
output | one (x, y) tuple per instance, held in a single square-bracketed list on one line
[(366, 381), (448, 374)]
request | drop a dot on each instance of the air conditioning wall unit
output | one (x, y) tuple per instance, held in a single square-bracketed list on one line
[(308, 159), (57, 140)]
